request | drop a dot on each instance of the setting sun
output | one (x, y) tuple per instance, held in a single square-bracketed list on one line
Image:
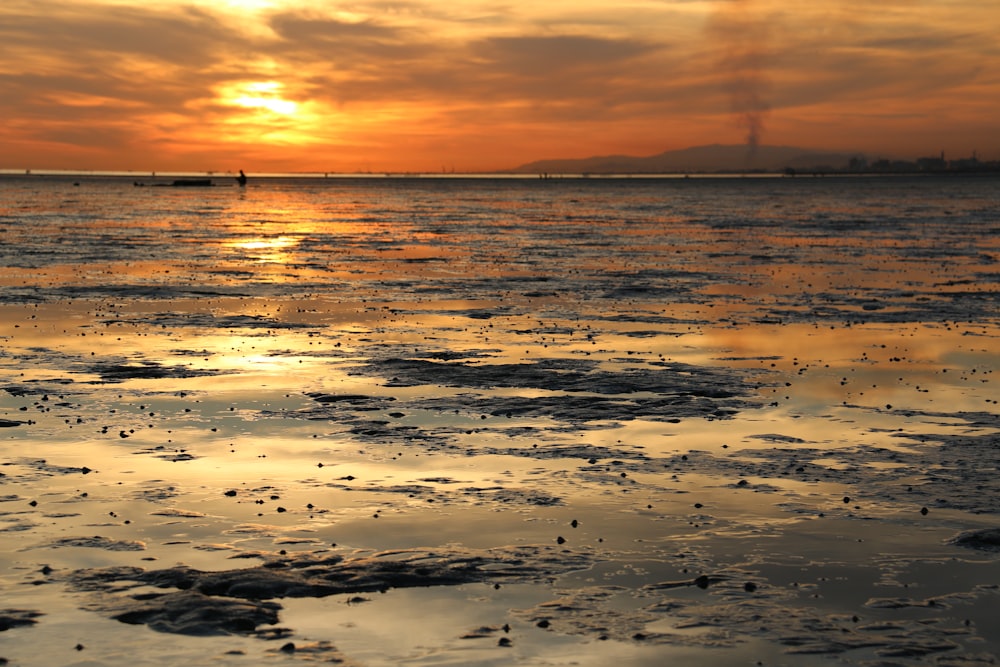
[(263, 113), (261, 95)]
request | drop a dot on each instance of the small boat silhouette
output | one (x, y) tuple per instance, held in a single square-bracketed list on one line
[(192, 183)]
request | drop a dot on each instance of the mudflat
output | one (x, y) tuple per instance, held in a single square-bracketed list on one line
[(498, 421)]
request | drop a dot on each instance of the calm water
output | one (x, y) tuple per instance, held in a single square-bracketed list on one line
[(707, 420)]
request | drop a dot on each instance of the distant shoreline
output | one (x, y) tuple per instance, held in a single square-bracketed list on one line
[(222, 180)]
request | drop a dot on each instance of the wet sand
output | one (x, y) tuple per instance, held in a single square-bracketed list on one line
[(489, 423)]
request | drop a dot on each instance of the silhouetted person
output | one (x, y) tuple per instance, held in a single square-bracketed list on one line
[(242, 178)]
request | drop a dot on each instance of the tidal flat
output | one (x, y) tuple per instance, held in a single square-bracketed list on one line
[(445, 421)]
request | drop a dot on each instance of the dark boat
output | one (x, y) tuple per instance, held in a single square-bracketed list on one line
[(192, 183)]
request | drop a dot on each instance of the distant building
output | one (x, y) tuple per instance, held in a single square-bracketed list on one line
[(883, 165), (967, 164), (932, 163), (858, 163)]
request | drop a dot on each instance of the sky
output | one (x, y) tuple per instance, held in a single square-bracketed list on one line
[(483, 85)]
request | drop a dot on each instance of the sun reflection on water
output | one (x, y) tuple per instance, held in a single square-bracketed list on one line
[(265, 250)]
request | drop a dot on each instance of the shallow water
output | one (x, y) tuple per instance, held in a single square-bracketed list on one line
[(495, 421)]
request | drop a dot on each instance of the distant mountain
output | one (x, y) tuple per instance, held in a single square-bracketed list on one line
[(713, 158)]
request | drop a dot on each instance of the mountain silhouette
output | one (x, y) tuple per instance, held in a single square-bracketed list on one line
[(697, 159)]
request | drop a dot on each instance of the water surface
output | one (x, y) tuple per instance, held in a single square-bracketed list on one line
[(497, 421)]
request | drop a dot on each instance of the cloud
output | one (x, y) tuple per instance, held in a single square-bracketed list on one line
[(421, 76), (105, 34), (311, 31), (552, 56), (129, 56)]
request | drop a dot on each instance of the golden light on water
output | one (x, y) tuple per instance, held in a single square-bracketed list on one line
[(265, 250), (266, 244)]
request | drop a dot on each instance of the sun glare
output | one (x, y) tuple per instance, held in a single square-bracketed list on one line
[(262, 111), (266, 95), (265, 245), (264, 249)]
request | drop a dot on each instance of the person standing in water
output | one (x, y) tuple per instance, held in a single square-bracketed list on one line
[(242, 179)]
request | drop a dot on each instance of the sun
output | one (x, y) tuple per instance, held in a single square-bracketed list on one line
[(262, 95), (263, 110), (271, 110)]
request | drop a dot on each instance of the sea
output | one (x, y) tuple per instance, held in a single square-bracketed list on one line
[(496, 420)]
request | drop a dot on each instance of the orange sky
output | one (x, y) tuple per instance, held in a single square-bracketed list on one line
[(478, 85)]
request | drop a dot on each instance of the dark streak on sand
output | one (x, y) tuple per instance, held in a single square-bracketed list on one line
[(237, 601), (12, 618), (577, 392), (146, 370), (987, 539)]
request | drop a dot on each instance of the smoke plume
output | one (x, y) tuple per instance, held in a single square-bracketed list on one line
[(739, 30)]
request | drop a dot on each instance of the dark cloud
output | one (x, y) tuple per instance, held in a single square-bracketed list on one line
[(558, 55), (63, 64), (309, 31), (371, 61), (857, 65), (189, 37), (369, 48), (918, 43)]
